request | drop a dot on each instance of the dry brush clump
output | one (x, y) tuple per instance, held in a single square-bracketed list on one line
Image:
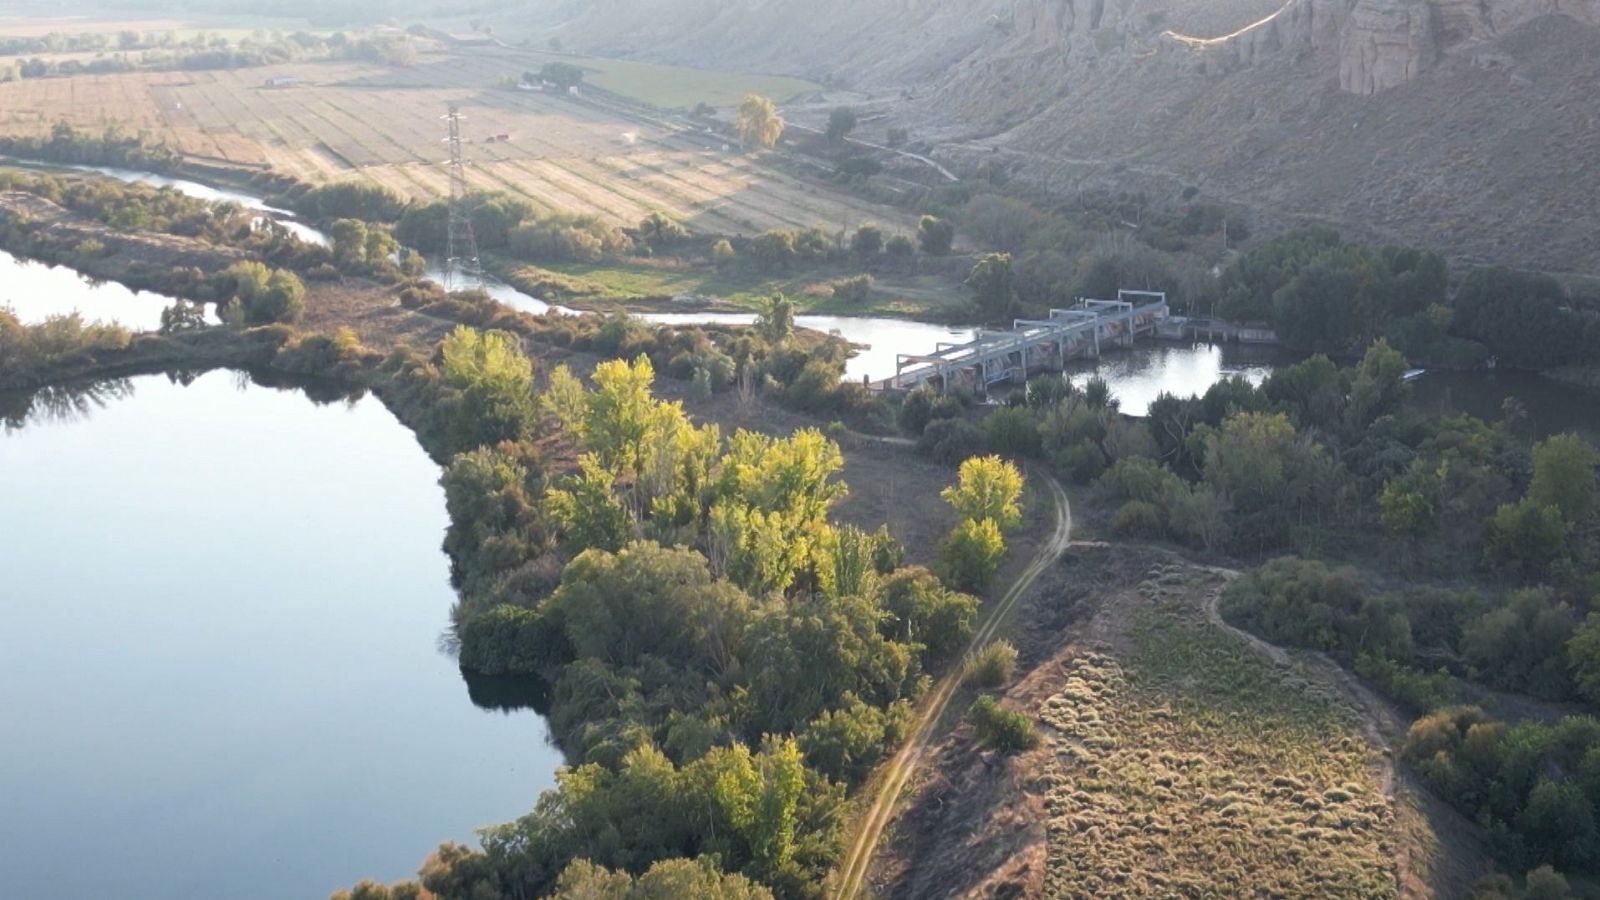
[(1190, 766)]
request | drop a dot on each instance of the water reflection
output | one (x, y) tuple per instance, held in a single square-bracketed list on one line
[(1550, 406), (221, 607), (507, 694), (1137, 376), (60, 404), (35, 291)]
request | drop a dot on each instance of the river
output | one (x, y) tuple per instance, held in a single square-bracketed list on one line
[(221, 666), (224, 604)]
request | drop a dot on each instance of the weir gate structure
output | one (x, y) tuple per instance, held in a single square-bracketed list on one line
[(1032, 345)]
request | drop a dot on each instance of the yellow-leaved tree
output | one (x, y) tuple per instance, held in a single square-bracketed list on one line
[(758, 122)]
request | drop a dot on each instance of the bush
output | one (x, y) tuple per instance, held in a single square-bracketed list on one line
[(1306, 604), (508, 640), (916, 410), (972, 553), (950, 441), (867, 241), (1012, 431), (935, 235), (1080, 463), (900, 248), (853, 290), (1138, 519), (993, 665), (1001, 729), (1420, 692)]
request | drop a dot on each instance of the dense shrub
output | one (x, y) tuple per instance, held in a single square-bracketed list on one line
[(950, 441), (972, 552), (1001, 729)]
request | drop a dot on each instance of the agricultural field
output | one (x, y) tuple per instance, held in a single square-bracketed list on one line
[(346, 120), (677, 87)]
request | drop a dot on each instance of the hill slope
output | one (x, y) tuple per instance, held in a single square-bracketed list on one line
[(1466, 125)]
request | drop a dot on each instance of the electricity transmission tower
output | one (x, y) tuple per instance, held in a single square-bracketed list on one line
[(462, 269)]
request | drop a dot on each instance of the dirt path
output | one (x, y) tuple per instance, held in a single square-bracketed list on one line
[(892, 778)]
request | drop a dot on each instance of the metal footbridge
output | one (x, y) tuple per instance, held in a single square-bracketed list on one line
[(1031, 345)]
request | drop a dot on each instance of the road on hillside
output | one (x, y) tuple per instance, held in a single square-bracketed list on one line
[(892, 779)]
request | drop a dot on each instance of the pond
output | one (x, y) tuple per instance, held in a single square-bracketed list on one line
[(222, 667)]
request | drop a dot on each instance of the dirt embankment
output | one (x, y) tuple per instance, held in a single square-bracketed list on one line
[(1180, 758)]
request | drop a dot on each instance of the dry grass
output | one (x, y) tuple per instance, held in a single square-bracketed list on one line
[(1188, 765)]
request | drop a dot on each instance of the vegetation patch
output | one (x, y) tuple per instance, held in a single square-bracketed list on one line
[(1190, 766)]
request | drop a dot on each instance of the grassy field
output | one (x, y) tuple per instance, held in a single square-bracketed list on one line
[(628, 283), (1187, 764), (677, 87), (347, 121)]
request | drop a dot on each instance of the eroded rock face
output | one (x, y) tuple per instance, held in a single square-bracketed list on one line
[(1385, 44)]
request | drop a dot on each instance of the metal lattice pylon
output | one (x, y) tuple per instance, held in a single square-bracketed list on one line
[(462, 268)]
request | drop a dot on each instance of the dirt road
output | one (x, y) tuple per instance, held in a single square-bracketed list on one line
[(885, 789)]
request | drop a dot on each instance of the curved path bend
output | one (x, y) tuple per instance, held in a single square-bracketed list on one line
[(891, 780)]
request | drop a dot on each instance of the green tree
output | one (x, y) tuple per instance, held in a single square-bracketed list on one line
[(841, 121), (935, 235), (920, 610), (1583, 656), (1564, 476), (1545, 883), (587, 509), (646, 600), (844, 743), (496, 382), (722, 253), (349, 239), (757, 122), (775, 321), (773, 250), (1378, 386), (667, 879), (1525, 538), (987, 487), (993, 283), (867, 241), (618, 413), (560, 74), (660, 230), (972, 553), (901, 249)]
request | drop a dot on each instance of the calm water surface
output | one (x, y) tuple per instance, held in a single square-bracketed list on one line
[(36, 291), (220, 667)]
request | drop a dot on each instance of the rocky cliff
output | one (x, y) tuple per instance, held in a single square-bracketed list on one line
[(1467, 125)]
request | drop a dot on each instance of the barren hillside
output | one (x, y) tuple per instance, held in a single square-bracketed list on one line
[(1471, 127)]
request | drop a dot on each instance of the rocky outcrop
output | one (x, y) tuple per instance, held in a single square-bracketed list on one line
[(1385, 44)]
